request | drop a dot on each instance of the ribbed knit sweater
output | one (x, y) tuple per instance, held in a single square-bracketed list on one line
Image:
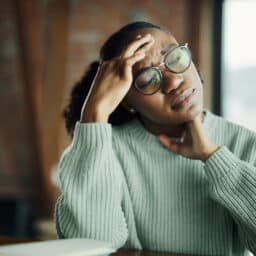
[(120, 184)]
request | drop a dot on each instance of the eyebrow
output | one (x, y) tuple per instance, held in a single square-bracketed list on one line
[(162, 52), (167, 48)]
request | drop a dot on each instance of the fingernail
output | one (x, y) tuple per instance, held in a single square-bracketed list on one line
[(138, 36)]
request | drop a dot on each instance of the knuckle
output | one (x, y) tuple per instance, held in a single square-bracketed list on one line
[(129, 46), (128, 62), (105, 63), (111, 62)]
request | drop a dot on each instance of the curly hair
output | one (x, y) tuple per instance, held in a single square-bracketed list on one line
[(110, 49)]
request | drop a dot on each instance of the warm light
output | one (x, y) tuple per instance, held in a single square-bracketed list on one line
[(239, 33), (239, 62)]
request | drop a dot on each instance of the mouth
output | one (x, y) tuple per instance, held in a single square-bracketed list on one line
[(183, 99)]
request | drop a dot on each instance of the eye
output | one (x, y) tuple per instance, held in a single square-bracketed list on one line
[(178, 55), (152, 82), (148, 77), (144, 78), (149, 80), (179, 59)]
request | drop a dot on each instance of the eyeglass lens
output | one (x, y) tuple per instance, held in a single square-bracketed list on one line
[(178, 60), (149, 79)]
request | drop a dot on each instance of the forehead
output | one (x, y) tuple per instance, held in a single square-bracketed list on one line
[(162, 40)]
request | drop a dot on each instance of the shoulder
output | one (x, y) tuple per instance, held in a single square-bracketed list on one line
[(238, 138), (127, 132), (130, 130), (124, 138), (220, 123), (132, 135)]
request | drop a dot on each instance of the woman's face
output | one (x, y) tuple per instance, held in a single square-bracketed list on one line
[(160, 108)]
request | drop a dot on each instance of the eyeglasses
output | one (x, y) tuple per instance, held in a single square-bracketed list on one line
[(177, 60)]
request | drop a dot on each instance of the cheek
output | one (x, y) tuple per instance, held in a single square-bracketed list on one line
[(193, 76), (192, 79), (143, 104)]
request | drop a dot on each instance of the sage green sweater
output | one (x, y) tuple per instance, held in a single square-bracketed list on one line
[(119, 184)]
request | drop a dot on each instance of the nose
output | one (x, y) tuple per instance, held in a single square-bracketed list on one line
[(171, 81)]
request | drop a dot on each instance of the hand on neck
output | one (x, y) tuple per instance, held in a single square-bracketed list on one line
[(173, 131)]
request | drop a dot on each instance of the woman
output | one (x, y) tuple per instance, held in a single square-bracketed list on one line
[(148, 168)]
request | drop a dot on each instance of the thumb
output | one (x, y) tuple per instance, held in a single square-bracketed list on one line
[(169, 143), (164, 140)]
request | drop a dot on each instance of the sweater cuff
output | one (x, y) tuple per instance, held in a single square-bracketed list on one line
[(220, 164), (91, 135)]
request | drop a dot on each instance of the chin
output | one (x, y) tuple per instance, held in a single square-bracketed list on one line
[(183, 115), (193, 111)]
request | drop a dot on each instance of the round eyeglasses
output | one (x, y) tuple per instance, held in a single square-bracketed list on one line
[(149, 79)]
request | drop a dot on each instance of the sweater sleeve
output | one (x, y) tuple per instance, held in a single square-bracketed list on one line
[(233, 184), (91, 188)]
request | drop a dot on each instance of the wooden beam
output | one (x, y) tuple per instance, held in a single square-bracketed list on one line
[(43, 33), (201, 38), (30, 41), (54, 87)]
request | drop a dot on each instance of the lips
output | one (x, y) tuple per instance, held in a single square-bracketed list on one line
[(183, 97)]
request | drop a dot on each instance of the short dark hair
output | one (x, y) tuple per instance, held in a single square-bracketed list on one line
[(110, 49)]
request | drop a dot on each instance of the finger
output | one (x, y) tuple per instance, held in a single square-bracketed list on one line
[(169, 143), (145, 47), (129, 62), (135, 58), (137, 44), (196, 128)]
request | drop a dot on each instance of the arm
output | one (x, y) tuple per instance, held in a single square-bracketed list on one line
[(233, 185), (90, 175), (91, 186), (232, 181)]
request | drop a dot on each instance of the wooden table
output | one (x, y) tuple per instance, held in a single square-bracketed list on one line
[(126, 252), (4, 240)]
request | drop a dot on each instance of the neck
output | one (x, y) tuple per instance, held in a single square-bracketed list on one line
[(171, 130), (174, 131)]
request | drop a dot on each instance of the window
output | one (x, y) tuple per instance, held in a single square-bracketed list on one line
[(238, 93)]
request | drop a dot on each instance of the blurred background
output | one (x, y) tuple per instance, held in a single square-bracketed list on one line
[(46, 46)]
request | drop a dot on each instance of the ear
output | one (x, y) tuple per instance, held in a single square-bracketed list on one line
[(124, 104)]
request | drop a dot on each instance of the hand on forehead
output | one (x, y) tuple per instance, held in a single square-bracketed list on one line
[(163, 41)]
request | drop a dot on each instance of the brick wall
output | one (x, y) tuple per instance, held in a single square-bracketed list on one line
[(45, 47), (91, 22), (17, 154)]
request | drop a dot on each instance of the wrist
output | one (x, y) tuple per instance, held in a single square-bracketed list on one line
[(93, 115), (208, 152)]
